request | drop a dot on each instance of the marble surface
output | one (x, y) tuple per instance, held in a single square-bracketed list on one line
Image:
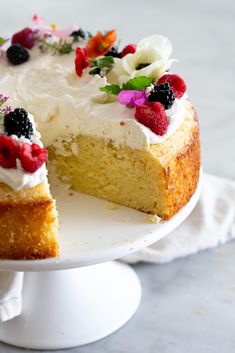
[(188, 305)]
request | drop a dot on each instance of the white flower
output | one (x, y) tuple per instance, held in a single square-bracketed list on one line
[(154, 51)]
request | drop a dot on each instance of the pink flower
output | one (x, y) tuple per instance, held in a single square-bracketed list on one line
[(132, 97), (63, 33), (44, 29), (38, 20)]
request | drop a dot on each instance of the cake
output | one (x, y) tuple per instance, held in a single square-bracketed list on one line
[(28, 218), (117, 124)]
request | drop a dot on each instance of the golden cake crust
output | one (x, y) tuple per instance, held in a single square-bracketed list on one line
[(28, 223), (182, 174)]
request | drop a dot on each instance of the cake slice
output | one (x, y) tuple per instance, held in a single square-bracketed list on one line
[(159, 181), (28, 217)]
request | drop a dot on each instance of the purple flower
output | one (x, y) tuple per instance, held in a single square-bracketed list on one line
[(132, 97)]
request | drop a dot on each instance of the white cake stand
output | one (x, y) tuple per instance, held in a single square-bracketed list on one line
[(90, 296)]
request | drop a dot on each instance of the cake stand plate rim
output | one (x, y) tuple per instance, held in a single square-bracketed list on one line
[(109, 246)]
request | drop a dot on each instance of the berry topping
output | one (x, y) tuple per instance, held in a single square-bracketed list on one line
[(129, 49), (17, 54), (162, 93), (113, 52), (78, 35), (17, 123), (32, 157), (153, 116), (25, 37), (176, 82), (9, 151)]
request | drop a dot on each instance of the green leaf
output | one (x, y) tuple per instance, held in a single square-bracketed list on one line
[(137, 83), (105, 62), (2, 40), (89, 34), (65, 49), (111, 89)]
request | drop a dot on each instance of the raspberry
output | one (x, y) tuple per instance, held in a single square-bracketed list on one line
[(153, 116), (9, 151), (25, 37), (16, 54), (32, 157), (17, 123), (129, 49), (162, 93), (176, 82)]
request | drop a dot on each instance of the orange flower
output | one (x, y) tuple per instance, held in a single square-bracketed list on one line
[(100, 44)]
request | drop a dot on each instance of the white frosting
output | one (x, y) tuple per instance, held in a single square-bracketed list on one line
[(17, 178), (63, 104)]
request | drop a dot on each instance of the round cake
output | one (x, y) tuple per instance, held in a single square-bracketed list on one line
[(117, 122)]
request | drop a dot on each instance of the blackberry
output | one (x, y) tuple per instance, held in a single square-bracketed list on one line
[(17, 54), (78, 35), (162, 93), (113, 52), (17, 123)]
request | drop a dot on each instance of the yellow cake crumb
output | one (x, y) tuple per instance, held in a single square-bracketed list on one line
[(152, 218), (112, 207)]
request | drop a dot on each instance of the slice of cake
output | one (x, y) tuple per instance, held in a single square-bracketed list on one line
[(118, 125), (28, 218)]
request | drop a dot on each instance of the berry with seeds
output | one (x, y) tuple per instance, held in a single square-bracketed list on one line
[(176, 82), (25, 37), (129, 49), (153, 116), (162, 93), (113, 52), (78, 35), (16, 54), (32, 157), (9, 152), (18, 123)]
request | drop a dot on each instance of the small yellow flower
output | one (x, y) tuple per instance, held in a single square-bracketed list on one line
[(53, 25)]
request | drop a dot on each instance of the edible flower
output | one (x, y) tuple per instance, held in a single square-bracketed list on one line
[(38, 20), (4, 109), (101, 43), (132, 98), (81, 60), (151, 59)]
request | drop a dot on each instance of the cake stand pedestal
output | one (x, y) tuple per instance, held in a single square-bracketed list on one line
[(89, 296)]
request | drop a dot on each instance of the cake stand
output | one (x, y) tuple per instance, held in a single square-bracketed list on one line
[(89, 296)]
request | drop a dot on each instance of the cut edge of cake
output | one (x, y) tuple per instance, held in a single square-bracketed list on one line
[(28, 223)]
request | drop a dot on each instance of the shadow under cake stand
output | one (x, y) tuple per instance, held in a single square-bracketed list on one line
[(83, 296)]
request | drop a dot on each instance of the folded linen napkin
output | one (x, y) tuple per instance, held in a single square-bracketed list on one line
[(11, 284), (212, 222)]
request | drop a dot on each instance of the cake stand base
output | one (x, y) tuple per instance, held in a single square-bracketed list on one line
[(67, 308)]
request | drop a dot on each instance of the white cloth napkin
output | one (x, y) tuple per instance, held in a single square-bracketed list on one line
[(212, 222), (11, 284)]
